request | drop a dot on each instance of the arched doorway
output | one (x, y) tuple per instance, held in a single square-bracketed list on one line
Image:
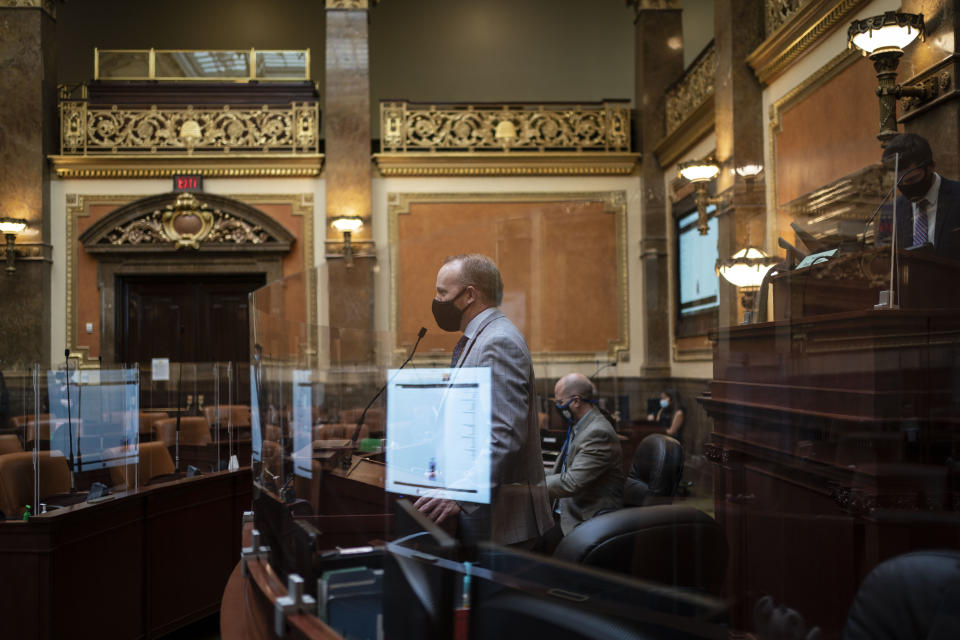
[(174, 273)]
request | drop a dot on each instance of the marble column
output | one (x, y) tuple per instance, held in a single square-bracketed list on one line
[(935, 60), (28, 113), (659, 62), (347, 171), (738, 29)]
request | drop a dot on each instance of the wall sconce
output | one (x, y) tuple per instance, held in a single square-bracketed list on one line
[(700, 172), (347, 225), (10, 227), (883, 38), (749, 172), (745, 270)]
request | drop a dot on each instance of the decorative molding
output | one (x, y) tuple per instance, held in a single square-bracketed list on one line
[(501, 128), (823, 75), (165, 166), (171, 222), (801, 31), (505, 164), (941, 81), (692, 90), (698, 125), (47, 6), (78, 206), (87, 130), (777, 12), (692, 349), (350, 5), (615, 202), (654, 5)]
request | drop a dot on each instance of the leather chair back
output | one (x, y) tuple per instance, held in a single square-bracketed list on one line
[(914, 595), (194, 430), (148, 419), (16, 480), (655, 472), (235, 415), (10, 443), (153, 460), (671, 544), (339, 431)]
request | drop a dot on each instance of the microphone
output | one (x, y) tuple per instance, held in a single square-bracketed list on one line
[(356, 432), (73, 484), (602, 367)]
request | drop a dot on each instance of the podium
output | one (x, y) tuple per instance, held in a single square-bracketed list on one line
[(836, 428)]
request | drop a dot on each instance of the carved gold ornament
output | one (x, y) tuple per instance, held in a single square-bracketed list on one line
[(187, 223), (411, 127), (778, 12), (87, 130), (691, 90)]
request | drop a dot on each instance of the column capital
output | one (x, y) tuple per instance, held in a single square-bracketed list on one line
[(653, 5), (350, 5), (47, 6)]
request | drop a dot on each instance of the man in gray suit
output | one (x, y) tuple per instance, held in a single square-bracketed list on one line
[(469, 289), (588, 475)]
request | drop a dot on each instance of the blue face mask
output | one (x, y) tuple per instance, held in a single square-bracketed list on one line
[(564, 410), (664, 403)]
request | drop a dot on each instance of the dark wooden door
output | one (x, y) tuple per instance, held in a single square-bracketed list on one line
[(211, 312)]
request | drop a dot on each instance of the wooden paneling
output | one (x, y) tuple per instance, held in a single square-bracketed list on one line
[(558, 261), (136, 566), (828, 133)]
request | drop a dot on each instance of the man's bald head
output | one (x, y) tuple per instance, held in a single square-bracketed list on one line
[(577, 384)]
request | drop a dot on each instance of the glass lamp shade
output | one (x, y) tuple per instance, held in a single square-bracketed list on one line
[(347, 224), (12, 225), (698, 170), (746, 268), (890, 32)]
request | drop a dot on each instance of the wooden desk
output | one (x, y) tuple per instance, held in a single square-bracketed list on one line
[(137, 565), (830, 440)]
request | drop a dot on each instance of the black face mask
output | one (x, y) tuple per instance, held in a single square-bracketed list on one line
[(447, 314), (917, 190)]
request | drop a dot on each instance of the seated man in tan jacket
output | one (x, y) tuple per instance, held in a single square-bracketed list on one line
[(588, 475)]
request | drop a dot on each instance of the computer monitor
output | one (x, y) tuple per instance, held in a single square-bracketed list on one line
[(515, 594), (421, 580)]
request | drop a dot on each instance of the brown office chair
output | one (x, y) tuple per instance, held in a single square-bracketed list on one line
[(670, 544), (194, 430), (235, 415), (10, 443), (153, 460), (39, 424), (655, 473), (340, 431), (147, 420), (16, 479)]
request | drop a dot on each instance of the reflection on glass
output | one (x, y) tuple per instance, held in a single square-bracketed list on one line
[(281, 64), (123, 64), (203, 64)]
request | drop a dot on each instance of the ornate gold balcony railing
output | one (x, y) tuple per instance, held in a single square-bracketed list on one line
[(86, 130), (407, 127), (692, 90)]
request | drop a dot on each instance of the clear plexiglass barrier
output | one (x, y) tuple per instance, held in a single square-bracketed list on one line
[(81, 433)]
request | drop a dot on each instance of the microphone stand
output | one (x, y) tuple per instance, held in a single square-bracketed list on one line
[(356, 431), (179, 409), (890, 302), (73, 480)]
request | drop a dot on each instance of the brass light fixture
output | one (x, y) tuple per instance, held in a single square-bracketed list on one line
[(10, 227), (700, 172), (745, 270), (884, 38), (347, 225)]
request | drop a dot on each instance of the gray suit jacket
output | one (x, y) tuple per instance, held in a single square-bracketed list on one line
[(593, 478), (519, 509)]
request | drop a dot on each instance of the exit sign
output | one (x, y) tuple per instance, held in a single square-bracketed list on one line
[(187, 183)]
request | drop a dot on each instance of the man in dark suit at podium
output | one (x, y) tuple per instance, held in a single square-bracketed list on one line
[(928, 211)]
